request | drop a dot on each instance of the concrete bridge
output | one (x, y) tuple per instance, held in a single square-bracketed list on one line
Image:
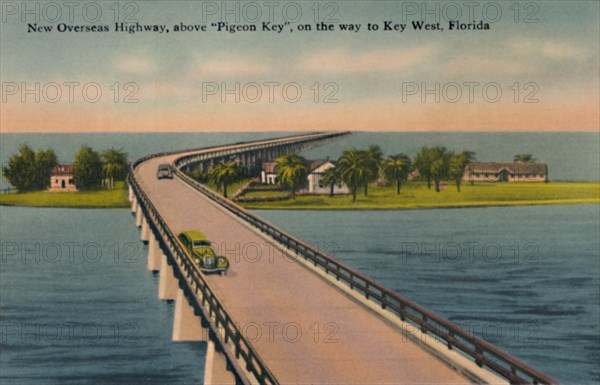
[(286, 312)]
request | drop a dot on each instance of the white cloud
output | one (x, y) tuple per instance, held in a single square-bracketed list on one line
[(340, 60), (563, 50), (134, 64), (231, 67), (552, 49), (486, 65)]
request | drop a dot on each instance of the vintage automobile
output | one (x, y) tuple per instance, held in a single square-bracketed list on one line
[(164, 171), (198, 247)]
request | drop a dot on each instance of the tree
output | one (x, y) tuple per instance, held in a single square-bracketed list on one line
[(45, 161), (30, 170), (524, 158), (439, 166), (469, 158), (88, 169), (198, 176), (396, 168), (458, 162), (114, 165), (423, 164), (332, 177), (292, 171), (223, 174), (352, 169), (373, 160)]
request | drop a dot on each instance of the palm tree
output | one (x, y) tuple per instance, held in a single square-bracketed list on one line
[(423, 164), (440, 162), (396, 168), (292, 171), (524, 158), (353, 169), (332, 177), (114, 165), (373, 161), (223, 174)]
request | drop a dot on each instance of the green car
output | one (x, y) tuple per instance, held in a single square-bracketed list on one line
[(198, 247)]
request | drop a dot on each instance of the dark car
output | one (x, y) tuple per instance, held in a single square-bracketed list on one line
[(164, 171)]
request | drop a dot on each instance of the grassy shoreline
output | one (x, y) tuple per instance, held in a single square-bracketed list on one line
[(265, 206), (100, 199), (414, 196)]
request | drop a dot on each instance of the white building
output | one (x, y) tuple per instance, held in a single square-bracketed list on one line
[(268, 175), (61, 178), (314, 184)]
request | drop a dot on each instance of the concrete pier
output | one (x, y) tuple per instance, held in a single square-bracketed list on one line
[(134, 205), (215, 370), (145, 234), (167, 283), (154, 255), (139, 217), (186, 325)]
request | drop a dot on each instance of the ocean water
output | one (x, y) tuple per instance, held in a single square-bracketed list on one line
[(570, 156), (526, 279), (78, 306)]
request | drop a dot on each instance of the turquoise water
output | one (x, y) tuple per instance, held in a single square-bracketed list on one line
[(526, 279), (78, 305)]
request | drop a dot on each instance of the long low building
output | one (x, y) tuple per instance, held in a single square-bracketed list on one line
[(506, 172)]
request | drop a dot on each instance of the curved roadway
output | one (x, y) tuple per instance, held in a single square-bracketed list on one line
[(304, 328)]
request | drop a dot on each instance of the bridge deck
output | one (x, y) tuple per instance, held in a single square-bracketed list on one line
[(278, 292)]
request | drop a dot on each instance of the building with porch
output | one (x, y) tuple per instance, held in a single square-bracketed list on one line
[(506, 172), (315, 185), (317, 169), (61, 178), (268, 174)]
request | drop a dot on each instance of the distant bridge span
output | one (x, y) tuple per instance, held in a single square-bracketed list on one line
[(286, 312)]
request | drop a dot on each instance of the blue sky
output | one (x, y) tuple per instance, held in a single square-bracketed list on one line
[(375, 80)]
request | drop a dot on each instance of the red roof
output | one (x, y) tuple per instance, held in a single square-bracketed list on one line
[(64, 169)]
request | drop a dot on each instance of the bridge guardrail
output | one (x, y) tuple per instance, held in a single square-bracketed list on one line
[(222, 320), (480, 351)]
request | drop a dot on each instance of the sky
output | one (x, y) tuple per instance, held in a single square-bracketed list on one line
[(537, 67)]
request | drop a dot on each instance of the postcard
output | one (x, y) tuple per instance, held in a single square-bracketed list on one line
[(299, 192)]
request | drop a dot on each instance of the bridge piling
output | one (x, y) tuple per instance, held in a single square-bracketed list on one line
[(154, 254), (167, 283), (134, 205), (215, 369), (145, 234), (139, 217), (187, 325)]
